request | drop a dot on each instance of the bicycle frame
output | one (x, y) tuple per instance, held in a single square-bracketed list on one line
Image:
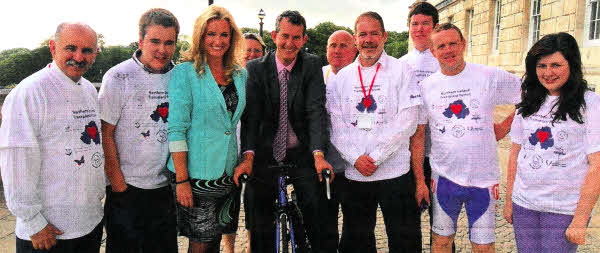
[(289, 225), (287, 217)]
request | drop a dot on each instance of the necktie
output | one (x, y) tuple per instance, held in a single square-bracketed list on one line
[(280, 142)]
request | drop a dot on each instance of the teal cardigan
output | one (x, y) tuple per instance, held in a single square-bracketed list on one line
[(199, 122)]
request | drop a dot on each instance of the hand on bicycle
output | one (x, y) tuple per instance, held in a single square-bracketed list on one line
[(365, 165), (321, 164), (184, 195), (245, 167)]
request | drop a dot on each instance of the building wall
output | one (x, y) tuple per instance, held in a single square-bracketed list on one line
[(514, 42)]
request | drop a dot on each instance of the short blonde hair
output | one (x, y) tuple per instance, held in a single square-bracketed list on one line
[(233, 58)]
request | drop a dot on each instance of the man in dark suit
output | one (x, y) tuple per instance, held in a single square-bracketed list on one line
[(295, 133)]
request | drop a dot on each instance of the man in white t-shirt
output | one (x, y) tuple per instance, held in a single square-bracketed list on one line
[(422, 18), (458, 104), (50, 150), (373, 104), (340, 52), (134, 106)]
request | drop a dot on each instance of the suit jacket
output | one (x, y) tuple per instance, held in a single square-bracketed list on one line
[(198, 120), (306, 107)]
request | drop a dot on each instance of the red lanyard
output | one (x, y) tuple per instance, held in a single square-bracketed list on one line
[(367, 101)]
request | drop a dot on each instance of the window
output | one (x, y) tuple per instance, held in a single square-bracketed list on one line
[(591, 30), (594, 20), (535, 18), (470, 31), (496, 35)]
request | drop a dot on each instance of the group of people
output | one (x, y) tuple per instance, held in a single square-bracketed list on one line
[(166, 144)]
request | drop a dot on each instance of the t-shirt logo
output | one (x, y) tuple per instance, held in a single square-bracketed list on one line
[(80, 161), (370, 102), (90, 132), (457, 108), (543, 136), (161, 112)]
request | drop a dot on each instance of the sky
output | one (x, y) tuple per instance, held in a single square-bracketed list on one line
[(27, 23)]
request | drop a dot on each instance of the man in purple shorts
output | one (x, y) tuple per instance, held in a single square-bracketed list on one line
[(458, 104)]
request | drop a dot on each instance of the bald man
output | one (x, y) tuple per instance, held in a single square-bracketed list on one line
[(51, 153), (340, 52)]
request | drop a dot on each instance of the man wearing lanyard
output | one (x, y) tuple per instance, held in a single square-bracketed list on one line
[(285, 122), (373, 104)]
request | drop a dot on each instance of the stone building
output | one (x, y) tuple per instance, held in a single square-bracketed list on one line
[(500, 32)]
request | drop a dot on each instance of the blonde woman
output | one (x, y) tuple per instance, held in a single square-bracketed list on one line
[(207, 98)]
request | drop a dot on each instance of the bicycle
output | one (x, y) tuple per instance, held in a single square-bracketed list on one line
[(289, 224)]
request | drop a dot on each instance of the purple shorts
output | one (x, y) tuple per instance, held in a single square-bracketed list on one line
[(537, 231), (480, 206)]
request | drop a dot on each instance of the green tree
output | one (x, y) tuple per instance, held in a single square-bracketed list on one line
[(40, 57), (106, 59), (15, 65), (248, 30), (318, 36), (396, 44), (182, 45), (101, 41), (266, 37)]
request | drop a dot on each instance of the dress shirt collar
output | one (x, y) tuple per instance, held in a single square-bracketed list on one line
[(280, 65), (382, 60), (55, 70)]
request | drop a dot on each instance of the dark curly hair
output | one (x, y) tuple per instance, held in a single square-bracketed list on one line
[(571, 100)]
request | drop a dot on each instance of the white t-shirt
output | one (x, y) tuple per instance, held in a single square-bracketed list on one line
[(136, 102), (395, 110), (459, 110), (327, 74), (333, 156), (51, 154), (423, 64), (552, 162)]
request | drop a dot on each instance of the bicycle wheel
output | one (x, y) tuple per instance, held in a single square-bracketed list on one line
[(282, 244), (302, 244)]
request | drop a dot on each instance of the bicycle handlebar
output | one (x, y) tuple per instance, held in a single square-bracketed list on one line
[(327, 176), (243, 179)]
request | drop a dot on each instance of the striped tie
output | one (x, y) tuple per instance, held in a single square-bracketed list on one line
[(280, 141)]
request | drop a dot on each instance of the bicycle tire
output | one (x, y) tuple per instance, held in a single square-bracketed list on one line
[(302, 244), (283, 244)]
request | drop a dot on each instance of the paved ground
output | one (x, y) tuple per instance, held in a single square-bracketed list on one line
[(504, 231)]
